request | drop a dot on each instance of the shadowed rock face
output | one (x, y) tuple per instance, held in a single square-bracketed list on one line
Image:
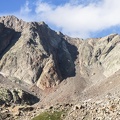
[(6, 35), (34, 53)]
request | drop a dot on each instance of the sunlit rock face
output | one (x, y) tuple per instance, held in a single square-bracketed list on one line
[(101, 54), (32, 52)]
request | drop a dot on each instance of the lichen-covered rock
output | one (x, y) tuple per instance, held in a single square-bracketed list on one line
[(5, 96), (16, 96)]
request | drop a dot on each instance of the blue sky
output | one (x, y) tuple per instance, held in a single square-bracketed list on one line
[(76, 18), (7, 6)]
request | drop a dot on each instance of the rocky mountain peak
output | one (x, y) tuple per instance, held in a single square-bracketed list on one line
[(29, 49), (13, 22)]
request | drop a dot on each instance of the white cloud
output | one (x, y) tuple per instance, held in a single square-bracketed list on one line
[(79, 19), (25, 9), (42, 7)]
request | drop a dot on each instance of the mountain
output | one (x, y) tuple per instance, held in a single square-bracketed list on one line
[(36, 54), (52, 67)]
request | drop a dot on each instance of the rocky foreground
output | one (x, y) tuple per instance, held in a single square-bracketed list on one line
[(43, 71), (107, 108)]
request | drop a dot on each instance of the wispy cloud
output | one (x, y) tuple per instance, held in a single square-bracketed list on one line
[(25, 9)]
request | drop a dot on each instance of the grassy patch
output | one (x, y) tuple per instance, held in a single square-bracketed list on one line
[(49, 116)]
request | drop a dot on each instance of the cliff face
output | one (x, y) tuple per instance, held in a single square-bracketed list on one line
[(100, 56), (34, 53)]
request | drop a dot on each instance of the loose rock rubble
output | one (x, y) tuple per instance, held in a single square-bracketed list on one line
[(106, 108), (16, 112)]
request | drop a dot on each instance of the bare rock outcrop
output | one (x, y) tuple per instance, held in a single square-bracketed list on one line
[(12, 94), (49, 77)]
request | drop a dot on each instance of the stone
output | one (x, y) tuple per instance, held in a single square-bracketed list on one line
[(16, 96)]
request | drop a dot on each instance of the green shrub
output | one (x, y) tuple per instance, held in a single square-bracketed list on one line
[(49, 116)]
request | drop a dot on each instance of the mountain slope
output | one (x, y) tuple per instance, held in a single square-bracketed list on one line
[(32, 52)]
